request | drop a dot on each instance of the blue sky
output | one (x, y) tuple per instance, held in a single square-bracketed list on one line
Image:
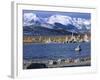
[(45, 14)]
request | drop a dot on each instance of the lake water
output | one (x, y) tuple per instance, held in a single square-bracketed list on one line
[(55, 50)]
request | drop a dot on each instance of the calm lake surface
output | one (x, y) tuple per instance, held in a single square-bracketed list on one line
[(55, 50)]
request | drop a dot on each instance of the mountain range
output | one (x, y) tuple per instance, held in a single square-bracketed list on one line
[(54, 25)]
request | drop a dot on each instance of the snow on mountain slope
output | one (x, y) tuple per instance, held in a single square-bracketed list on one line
[(81, 24), (59, 19), (30, 19)]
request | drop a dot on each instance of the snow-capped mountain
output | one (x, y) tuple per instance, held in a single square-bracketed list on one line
[(59, 19), (30, 19), (58, 22)]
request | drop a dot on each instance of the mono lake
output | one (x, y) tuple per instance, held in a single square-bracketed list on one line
[(55, 50)]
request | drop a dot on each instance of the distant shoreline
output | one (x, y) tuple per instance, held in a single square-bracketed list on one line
[(56, 43)]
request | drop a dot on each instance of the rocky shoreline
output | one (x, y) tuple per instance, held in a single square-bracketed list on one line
[(39, 63)]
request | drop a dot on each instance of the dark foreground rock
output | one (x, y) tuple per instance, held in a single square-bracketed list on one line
[(36, 66)]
